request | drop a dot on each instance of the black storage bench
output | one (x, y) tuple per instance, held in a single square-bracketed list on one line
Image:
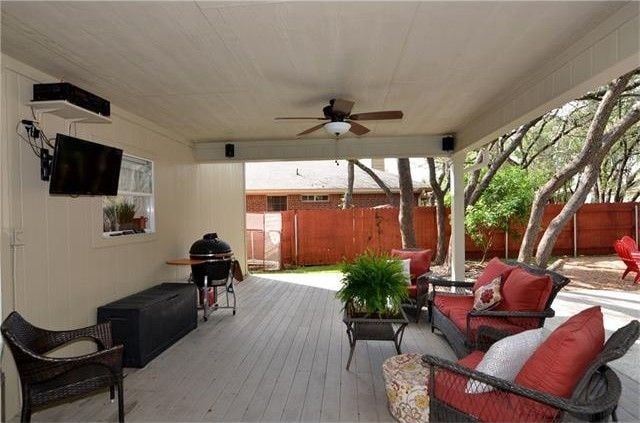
[(150, 321)]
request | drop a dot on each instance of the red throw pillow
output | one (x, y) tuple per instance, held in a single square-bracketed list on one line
[(494, 268), (560, 362), (524, 291), (420, 261)]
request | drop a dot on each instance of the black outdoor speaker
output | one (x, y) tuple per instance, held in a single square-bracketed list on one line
[(447, 143), (229, 150)]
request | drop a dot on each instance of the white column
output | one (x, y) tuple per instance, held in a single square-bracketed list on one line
[(457, 216)]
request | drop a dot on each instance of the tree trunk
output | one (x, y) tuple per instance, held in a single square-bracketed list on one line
[(550, 236), (586, 156), (387, 191), (585, 183), (405, 216), (438, 194), (348, 196)]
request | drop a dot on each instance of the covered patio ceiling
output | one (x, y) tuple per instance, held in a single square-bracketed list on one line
[(215, 72)]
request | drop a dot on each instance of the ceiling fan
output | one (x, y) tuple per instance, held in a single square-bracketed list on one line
[(340, 120)]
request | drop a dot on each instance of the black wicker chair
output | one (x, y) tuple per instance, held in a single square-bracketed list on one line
[(46, 380), (461, 339), (595, 397)]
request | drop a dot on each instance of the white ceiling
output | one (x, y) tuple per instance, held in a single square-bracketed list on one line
[(223, 70)]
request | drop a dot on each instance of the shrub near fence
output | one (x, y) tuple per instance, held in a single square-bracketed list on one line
[(315, 237)]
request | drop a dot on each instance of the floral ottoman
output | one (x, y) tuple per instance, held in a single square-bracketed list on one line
[(406, 379)]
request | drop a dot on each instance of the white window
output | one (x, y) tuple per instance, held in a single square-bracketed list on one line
[(314, 198), (132, 210)]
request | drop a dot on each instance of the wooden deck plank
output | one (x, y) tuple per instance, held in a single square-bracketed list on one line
[(258, 404), (282, 357), (248, 386), (312, 408), (277, 402), (330, 410)]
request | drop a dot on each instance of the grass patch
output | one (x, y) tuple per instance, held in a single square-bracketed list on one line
[(310, 269)]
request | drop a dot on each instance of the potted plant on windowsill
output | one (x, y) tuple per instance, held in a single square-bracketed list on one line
[(373, 286), (126, 212)]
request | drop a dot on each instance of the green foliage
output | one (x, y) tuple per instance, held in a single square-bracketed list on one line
[(111, 212), (126, 212), (506, 201), (373, 284), (119, 211)]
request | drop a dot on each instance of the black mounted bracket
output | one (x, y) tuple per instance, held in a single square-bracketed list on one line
[(45, 164), (31, 127)]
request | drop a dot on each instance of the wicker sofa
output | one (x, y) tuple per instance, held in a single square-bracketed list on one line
[(467, 329), (594, 398)]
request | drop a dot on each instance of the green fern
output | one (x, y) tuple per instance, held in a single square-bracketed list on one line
[(373, 284)]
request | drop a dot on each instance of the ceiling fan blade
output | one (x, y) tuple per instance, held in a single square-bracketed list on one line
[(310, 130), (358, 129), (389, 114), (300, 118), (343, 106)]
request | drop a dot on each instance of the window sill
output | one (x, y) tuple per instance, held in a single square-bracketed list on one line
[(101, 241)]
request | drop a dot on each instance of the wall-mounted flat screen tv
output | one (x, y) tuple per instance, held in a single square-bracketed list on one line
[(82, 167)]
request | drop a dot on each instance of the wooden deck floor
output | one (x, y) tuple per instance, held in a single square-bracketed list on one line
[(281, 358)]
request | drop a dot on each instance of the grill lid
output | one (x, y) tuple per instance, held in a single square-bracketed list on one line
[(209, 245)]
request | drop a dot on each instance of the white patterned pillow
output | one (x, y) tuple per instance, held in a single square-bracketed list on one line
[(505, 358), (488, 296), (406, 269)]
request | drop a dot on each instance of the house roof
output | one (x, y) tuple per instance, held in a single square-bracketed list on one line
[(314, 176)]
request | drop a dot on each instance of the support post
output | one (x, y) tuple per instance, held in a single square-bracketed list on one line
[(457, 216), (635, 220), (575, 234)]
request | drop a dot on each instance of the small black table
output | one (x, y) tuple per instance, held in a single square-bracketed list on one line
[(374, 329)]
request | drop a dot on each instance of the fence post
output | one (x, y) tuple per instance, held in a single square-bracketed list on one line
[(506, 243), (575, 234), (295, 236), (253, 250), (636, 220)]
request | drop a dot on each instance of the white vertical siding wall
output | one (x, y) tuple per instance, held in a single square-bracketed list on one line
[(64, 271)]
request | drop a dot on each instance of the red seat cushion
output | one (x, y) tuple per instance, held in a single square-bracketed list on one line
[(459, 318), (447, 302), (559, 363), (494, 268), (493, 406), (524, 291), (420, 261)]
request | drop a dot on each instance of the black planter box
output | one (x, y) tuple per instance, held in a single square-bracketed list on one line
[(150, 321)]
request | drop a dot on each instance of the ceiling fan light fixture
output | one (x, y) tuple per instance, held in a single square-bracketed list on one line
[(335, 129)]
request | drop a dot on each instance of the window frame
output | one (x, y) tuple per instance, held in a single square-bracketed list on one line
[(111, 235), (286, 202), (314, 198)]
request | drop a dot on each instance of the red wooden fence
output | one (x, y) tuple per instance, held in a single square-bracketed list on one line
[(312, 237)]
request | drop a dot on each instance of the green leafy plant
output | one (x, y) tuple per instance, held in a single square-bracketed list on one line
[(506, 201), (373, 285), (111, 212), (126, 212)]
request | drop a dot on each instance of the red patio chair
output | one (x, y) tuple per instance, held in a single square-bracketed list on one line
[(630, 243), (629, 256), (420, 269)]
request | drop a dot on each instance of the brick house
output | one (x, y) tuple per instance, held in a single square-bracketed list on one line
[(298, 185)]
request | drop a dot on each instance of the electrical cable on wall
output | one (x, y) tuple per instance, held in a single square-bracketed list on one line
[(34, 136)]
